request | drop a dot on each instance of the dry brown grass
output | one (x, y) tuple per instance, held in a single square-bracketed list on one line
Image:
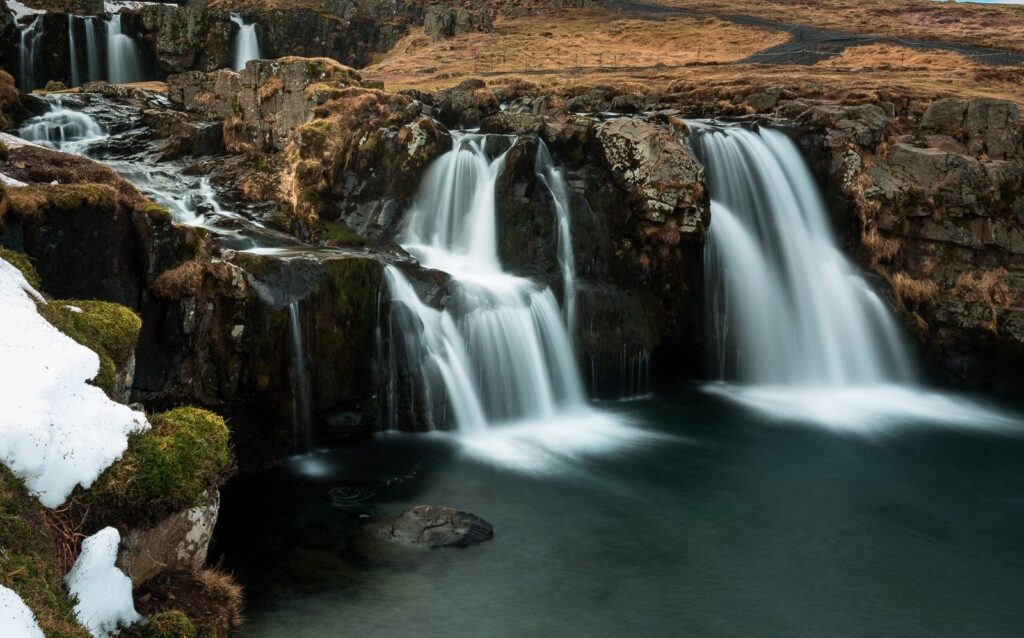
[(571, 40), (990, 25), (881, 249), (180, 282), (986, 287), (914, 291)]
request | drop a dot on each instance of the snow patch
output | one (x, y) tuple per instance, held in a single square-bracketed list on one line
[(20, 11), (16, 619), (103, 592), (56, 430)]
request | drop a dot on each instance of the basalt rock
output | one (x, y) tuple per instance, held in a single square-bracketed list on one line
[(465, 104), (440, 527), (443, 21), (187, 37), (936, 202)]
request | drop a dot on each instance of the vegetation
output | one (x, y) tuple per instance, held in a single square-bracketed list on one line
[(22, 263), (30, 201), (108, 329), (169, 624), (169, 468), (29, 562)]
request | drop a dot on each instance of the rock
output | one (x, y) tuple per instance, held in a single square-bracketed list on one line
[(54, 85), (444, 21), (440, 527), (662, 176), (465, 104), (178, 543), (986, 126)]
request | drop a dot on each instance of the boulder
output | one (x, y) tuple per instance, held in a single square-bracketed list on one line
[(986, 126), (465, 104), (177, 543), (444, 21), (432, 526)]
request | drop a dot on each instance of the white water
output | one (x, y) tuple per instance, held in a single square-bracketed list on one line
[(786, 307), (553, 178), (76, 71), (499, 351), (301, 396), (790, 317), (123, 63), (247, 45), (63, 129), (91, 70), (28, 53)]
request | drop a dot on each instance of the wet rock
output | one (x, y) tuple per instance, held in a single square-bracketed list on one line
[(178, 543), (440, 527), (465, 104)]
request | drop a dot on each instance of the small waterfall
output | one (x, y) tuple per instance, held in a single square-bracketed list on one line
[(29, 51), (92, 51), (63, 129), (785, 306), (499, 348), (123, 63), (247, 45), (76, 71), (302, 411), (554, 180)]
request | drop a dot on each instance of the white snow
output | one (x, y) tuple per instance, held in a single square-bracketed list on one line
[(56, 430), (103, 592), (20, 11), (16, 619)]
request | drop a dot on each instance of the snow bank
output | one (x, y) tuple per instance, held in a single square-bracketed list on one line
[(56, 430), (103, 592), (16, 620)]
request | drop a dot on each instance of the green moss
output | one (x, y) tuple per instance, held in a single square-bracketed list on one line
[(341, 235), (22, 263), (108, 329), (166, 469), (169, 624), (28, 560), (32, 200), (156, 211)]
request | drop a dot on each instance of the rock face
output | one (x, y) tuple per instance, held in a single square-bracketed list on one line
[(187, 37), (444, 21), (936, 195), (178, 543), (440, 527)]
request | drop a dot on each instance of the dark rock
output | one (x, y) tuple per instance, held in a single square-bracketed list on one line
[(440, 527), (444, 21), (466, 104)]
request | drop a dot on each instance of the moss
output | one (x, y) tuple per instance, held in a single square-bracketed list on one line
[(341, 235), (169, 624), (167, 469), (22, 263), (4, 151), (30, 201), (29, 560), (156, 211), (108, 329)]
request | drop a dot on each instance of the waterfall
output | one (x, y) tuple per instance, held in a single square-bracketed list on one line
[(63, 129), (302, 413), (786, 308), (92, 52), (76, 72), (123, 63), (499, 349), (554, 180), (246, 46), (28, 53)]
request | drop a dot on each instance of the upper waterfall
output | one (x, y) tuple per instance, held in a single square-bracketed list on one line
[(123, 62), (29, 50), (500, 350), (246, 46), (785, 306)]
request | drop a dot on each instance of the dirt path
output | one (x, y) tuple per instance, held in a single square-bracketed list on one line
[(810, 45)]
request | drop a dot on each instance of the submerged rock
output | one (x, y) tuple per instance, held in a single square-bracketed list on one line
[(440, 527)]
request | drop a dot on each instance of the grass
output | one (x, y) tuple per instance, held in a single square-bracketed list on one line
[(22, 262), (30, 201), (582, 39), (29, 562), (167, 469), (108, 329)]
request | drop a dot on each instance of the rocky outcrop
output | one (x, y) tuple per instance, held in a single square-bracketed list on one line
[(936, 192), (466, 104), (443, 21), (187, 37), (440, 527)]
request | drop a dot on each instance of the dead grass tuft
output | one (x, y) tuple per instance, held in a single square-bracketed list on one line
[(914, 291)]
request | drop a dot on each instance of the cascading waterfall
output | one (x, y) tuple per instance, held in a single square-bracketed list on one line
[(247, 45), (301, 397), (29, 51), (91, 71), (499, 351), (123, 63), (63, 129), (785, 306), (554, 180)]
